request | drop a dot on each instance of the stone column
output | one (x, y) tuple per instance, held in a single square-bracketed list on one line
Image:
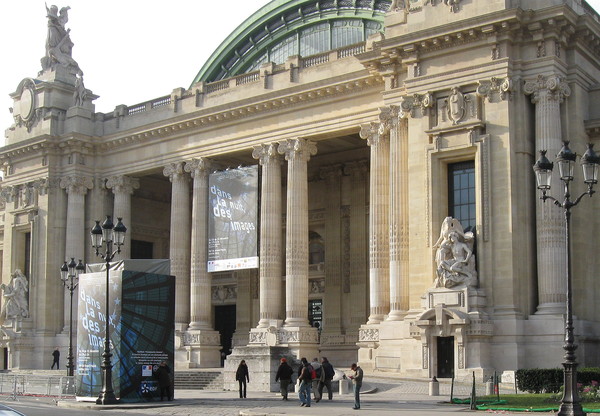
[(76, 236), (202, 342), (123, 187), (333, 255), (377, 137), (180, 242), (358, 172), (270, 235), (99, 204), (398, 128), (547, 93), (297, 153)]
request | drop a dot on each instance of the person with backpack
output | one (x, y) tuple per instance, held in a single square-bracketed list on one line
[(327, 373), (284, 376), (305, 376), (316, 365)]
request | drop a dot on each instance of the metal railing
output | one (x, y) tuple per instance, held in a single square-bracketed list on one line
[(14, 385)]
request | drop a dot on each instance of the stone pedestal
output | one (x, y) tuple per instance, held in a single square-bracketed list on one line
[(262, 362), (203, 349)]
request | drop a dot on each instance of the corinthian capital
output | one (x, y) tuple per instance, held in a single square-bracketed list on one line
[(174, 170), (553, 86), (266, 154), (76, 184), (297, 149), (388, 119), (371, 132), (123, 184), (198, 167)]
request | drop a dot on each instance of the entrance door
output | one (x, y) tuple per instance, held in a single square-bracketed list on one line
[(225, 324), (445, 357)]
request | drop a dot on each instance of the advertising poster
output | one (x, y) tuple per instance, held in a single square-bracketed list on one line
[(141, 319), (233, 219)]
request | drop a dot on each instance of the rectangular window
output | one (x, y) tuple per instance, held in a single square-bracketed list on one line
[(461, 193)]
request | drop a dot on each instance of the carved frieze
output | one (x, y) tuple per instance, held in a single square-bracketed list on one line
[(223, 293), (368, 335)]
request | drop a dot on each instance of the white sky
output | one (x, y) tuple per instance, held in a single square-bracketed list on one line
[(130, 51)]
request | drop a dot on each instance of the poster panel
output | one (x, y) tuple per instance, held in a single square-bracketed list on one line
[(141, 320), (233, 219)]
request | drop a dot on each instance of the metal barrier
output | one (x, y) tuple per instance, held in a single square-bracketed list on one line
[(14, 385)]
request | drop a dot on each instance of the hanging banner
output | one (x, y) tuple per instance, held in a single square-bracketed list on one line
[(233, 219)]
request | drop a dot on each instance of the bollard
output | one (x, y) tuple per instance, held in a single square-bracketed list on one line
[(344, 386), (434, 387), (489, 388)]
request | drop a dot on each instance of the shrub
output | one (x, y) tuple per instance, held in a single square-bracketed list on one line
[(550, 380)]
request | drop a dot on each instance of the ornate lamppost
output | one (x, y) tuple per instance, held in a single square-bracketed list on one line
[(570, 404), (69, 274), (110, 235)]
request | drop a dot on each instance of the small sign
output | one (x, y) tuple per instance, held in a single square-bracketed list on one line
[(146, 370)]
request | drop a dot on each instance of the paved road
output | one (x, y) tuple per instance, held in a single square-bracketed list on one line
[(391, 398)]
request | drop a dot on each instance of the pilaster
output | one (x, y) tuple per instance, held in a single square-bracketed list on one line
[(547, 93)]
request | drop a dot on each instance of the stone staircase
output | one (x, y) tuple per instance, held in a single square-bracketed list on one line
[(205, 379)]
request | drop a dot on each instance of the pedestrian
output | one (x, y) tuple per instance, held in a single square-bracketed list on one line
[(163, 374), (327, 373), (242, 376), (284, 376), (305, 376), (357, 378), (316, 365), (55, 358)]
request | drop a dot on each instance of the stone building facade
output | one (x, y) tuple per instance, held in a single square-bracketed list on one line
[(435, 109)]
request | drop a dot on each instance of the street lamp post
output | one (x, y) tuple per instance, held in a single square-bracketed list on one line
[(69, 274), (570, 404), (111, 235)]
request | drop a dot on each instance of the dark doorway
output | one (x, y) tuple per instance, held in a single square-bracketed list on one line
[(445, 357), (225, 324), (5, 356), (141, 249)]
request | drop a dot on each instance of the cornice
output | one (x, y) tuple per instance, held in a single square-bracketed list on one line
[(249, 109)]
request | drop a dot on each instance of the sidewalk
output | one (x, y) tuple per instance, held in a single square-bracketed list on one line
[(391, 398)]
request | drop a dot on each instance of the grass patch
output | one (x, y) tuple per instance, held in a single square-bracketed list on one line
[(538, 402)]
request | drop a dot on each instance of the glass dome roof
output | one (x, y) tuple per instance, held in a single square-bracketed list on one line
[(286, 28)]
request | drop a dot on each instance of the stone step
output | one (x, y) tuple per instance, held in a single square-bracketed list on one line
[(199, 380)]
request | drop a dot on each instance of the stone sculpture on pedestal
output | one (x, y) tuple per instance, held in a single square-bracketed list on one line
[(454, 256)]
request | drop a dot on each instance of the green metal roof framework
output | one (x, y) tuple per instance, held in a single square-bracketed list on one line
[(274, 22)]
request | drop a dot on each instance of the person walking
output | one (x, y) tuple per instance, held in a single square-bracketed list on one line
[(242, 376), (316, 365), (357, 378), (55, 358), (284, 376), (305, 377), (163, 374), (327, 373)]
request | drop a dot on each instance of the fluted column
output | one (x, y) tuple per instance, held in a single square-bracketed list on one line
[(180, 242), (123, 187), (297, 153), (270, 234), (76, 188), (547, 93), (398, 212), (333, 255), (200, 301), (377, 137)]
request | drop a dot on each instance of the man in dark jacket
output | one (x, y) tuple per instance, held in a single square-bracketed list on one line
[(327, 373), (284, 376), (163, 374)]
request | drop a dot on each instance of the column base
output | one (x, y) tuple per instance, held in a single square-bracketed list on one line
[(199, 349), (555, 308)]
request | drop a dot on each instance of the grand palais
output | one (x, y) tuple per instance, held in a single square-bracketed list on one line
[(399, 221)]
